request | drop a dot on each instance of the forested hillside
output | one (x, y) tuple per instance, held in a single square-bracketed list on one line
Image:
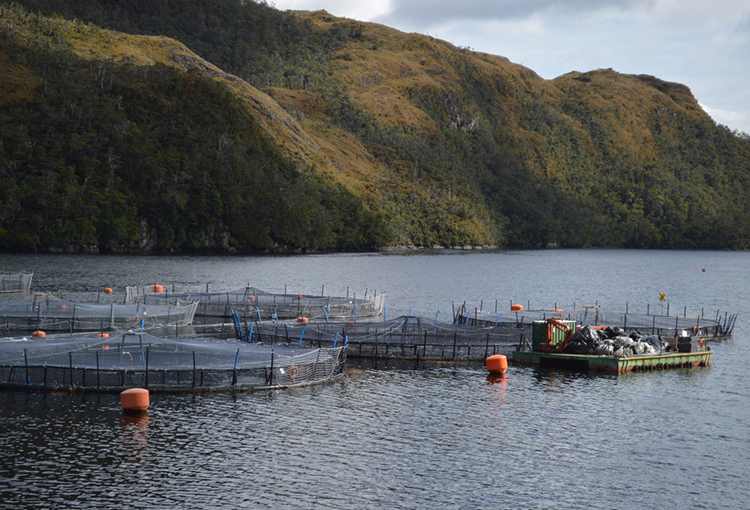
[(302, 131)]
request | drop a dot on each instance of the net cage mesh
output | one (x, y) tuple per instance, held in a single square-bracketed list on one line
[(714, 326), (126, 360), (405, 337), (262, 304), (45, 312), (15, 282)]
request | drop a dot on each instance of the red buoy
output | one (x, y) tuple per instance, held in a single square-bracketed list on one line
[(134, 400), (108, 290), (497, 364)]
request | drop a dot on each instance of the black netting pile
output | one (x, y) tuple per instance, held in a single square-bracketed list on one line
[(615, 342)]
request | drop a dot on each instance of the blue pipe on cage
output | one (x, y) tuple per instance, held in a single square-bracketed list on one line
[(260, 321), (250, 335), (436, 315), (303, 332), (325, 310), (336, 338), (355, 313), (143, 322), (498, 320), (276, 315)]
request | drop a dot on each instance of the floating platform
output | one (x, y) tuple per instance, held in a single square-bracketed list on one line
[(612, 364)]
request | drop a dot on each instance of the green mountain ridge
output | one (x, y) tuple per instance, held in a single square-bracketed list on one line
[(301, 131)]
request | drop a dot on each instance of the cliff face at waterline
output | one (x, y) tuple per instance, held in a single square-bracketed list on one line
[(182, 125)]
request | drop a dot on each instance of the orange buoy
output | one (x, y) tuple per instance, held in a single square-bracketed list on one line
[(557, 310), (497, 364), (39, 334), (516, 308), (108, 291), (134, 399), (301, 319), (704, 269), (103, 335), (158, 289)]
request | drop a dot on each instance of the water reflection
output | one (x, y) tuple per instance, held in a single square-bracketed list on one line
[(134, 431), (499, 385)]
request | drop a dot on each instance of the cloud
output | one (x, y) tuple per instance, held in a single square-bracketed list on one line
[(427, 13), (363, 11)]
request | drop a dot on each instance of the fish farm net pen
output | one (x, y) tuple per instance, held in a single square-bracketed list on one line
[(264, 305), (46, 312), (96, 363), (405, 337), (715, 327)]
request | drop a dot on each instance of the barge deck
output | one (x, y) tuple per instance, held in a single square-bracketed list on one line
[(612, 364)]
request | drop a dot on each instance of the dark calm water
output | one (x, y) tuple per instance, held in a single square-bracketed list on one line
[(388, 437)]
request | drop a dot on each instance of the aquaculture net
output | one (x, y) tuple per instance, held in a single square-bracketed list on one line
[(45, 312), (15, 282), (405, 337), (262, 305), (665, 325), (126, 360)]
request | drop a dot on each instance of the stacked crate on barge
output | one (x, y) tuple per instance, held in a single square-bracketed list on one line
[(112, 363), (557, 344), (255, 304)]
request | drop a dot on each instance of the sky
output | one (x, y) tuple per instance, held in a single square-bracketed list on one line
[(702, 44)]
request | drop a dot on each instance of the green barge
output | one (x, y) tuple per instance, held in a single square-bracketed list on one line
[(613, 365), (549, 338)]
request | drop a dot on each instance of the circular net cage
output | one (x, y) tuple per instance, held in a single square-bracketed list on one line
[(257, 304), (645, 322), (127, 360), (405, 337), (48, 313)]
